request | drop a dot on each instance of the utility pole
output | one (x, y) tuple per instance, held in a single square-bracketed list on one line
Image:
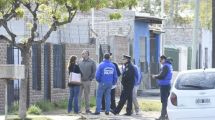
[(162, 26), (171, 12), (213, 33), (195, 41)]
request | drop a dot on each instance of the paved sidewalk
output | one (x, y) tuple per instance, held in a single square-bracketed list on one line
[(102, 116)]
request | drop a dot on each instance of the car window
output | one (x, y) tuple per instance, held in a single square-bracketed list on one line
[(196, 81)]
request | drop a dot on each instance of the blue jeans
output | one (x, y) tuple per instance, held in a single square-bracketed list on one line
[(74, 93), (106, 90)]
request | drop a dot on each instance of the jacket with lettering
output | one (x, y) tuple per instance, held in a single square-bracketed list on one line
[(106, 73)]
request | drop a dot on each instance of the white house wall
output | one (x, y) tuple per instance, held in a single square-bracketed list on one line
[(206, 43)]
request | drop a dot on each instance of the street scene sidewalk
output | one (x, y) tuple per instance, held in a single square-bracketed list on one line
[(102, 116), (63, 115)]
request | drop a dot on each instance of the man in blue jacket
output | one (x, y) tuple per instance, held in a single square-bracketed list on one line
[(113, 89), (164, 81), (106, 76)]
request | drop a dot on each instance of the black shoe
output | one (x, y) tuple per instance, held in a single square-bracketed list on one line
[(127, 114), (112, 111), (166, 117), (106, 113), (96, 113)]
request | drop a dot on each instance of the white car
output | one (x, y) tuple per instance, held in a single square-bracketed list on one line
[(192, 96)]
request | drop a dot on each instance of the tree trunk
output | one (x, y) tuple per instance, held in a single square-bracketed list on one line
[(213, 32), (23, 88)]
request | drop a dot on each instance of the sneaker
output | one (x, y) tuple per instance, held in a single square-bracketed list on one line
[(166, 117), (106, 113), (96, 113)]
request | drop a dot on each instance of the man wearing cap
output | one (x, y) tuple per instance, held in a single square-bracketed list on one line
[(164, 81), (106, 76), (128, 80)]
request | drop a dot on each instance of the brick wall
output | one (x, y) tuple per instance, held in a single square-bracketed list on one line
[(3, 60), (71, 49), (59, 93), (119, 46)]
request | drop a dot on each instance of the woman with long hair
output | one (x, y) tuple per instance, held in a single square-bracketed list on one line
[(73, 88)]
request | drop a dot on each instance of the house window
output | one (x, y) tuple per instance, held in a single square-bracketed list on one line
[(59, 66), (36, 67)]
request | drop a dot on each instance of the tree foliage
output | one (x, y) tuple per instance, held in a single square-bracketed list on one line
[(183, 12), (206, 14)]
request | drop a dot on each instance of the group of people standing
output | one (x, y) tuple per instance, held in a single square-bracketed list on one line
[(107, 74)]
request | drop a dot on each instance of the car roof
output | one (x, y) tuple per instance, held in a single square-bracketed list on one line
[(198, 71)]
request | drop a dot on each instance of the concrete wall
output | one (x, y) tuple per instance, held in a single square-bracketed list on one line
[(177, 36), (183, 56)]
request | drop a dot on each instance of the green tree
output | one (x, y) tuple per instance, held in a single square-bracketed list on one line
[(53, 13), (175, 9), (213, 34), (206, 14)]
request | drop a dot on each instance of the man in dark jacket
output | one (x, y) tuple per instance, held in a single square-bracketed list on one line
[(128, 80), (164, 81)]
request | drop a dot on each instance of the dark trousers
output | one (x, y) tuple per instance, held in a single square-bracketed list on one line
[(126, 95), (164, 91), (113, 102)]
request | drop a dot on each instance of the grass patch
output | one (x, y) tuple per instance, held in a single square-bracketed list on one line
[(92, 101), (150, 105), (62, 104), (34, 110), (14, 108), (28, 118), (45, 105)]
